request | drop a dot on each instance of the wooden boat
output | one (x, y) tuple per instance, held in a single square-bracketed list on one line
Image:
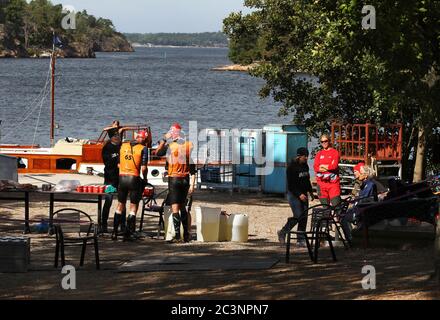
[(77, 156)]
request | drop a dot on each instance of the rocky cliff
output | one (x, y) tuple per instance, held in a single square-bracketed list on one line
[(11, 47), (26, 32), (116, 43)]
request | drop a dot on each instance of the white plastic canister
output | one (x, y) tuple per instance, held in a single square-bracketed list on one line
[(208, 224), (169, 225), (239, 226)]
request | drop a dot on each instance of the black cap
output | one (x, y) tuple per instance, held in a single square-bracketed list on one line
[(302, 152)]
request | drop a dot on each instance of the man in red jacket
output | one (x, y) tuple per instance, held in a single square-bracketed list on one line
[(327, 173)]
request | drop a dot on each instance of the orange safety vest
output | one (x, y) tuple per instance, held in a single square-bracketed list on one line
[(178, 159), (130, 159)]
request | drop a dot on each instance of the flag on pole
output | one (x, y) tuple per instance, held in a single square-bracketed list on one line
[(57, 41)]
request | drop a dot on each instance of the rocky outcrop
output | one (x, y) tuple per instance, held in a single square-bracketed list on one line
[(78, 50), (13, 48), (116, 43), (10, 48), (235, 67)]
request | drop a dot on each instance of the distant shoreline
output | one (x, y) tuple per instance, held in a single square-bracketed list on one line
[(138, 45)]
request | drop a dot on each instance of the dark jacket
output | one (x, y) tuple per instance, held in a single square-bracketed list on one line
[(368, 190), (298, 178), (110, 156)]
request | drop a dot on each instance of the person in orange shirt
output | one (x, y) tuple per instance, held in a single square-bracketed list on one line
[(326, 168), (133, 172), (181, 177)]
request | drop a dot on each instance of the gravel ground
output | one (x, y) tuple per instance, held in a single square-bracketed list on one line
[(403, 272)]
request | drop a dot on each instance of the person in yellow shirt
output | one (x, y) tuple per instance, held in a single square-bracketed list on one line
[(181, 177), (133, 172)]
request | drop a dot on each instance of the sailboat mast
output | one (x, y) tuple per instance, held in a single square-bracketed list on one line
[(52, 122)]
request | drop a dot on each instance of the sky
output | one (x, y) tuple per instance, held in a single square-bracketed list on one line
[(152, 16)]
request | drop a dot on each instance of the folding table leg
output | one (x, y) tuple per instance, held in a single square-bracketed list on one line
[(27, 229), (99, 213), (51, 206)]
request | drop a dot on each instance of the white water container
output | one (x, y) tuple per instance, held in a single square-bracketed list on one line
[(169, 225), (239, 226), (208, 224)]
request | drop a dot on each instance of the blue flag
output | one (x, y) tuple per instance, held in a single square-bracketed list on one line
[(56, 41)]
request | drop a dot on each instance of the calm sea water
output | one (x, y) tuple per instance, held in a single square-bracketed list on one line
[(157, 86)]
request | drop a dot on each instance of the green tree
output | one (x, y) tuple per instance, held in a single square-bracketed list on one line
[(380, 75), (2, 11), (245, 37), (43, 18), (14, 15)]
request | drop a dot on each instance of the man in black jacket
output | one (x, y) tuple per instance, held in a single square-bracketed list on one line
[(110, 156), (299, 186)]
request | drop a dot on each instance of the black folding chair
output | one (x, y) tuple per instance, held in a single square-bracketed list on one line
[(319, 230), (151, 208), (74, 227)]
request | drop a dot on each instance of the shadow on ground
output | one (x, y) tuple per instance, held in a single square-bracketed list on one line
[(400, 274)]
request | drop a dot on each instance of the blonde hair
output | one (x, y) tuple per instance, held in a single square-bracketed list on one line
[(368, 171)]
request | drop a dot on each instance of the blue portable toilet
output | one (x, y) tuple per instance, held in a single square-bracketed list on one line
[(281, 143), (247, 149)]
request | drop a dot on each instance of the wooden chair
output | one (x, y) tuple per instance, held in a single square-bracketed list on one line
[(74, 227)]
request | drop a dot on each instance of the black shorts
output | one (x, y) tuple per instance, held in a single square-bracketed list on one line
[(132, 185), (177, 190)]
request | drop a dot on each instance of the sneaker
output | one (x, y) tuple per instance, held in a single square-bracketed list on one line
[(281, 237)]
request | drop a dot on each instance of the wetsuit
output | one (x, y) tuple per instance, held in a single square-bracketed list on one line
[(180, 167), (179, 170), (110, 156), (132, 157), (113, 131), (329, 187)]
